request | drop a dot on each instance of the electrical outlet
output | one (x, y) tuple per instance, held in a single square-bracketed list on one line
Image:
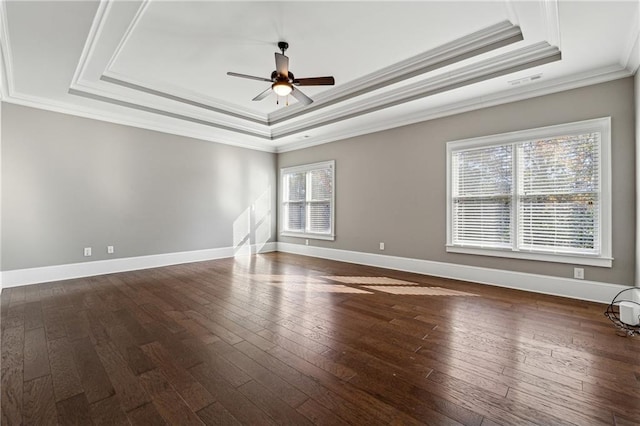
[(87, 251), (578, 273), (109, 249), (306, 242), (381, 246)]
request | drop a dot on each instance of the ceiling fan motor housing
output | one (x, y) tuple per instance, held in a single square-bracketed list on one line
[(276, 77)]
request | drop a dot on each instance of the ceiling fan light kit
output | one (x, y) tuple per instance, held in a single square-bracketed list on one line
[(283, 80), (282, 88)]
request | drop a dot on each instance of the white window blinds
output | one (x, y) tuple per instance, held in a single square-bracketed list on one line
[(308, 197), (538, 191), (482, 196), (558, 193), (295, 188)]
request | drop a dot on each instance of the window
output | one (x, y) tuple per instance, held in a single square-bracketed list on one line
[(307, 200), (541, 194)]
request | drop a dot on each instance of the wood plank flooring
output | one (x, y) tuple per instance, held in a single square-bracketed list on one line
[(284, 339)]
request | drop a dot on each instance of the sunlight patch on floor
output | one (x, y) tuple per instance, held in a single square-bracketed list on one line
[(369, 280), (287, 278), (323, 284), (317, 288), (419, 291)]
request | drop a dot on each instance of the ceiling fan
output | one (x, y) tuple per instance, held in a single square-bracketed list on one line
[(283, 81)]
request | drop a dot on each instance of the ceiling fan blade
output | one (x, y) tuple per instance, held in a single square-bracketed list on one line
[(314, 81), (250, 77), (301, 97), (262, 95), (282, 64)]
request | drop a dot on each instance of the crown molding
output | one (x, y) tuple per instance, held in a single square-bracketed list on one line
[(597, 76), (91, 92), (257, 139), (177, 95), (521, 93), (127, 120), (523, 58), (485, 40), (83, 86), (513, 95)]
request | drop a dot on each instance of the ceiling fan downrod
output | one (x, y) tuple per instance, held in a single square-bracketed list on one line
[(283, 46)]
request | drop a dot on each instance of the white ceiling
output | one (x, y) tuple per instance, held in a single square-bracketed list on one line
[(162, 64)]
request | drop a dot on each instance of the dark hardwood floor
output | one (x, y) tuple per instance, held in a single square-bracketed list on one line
[(285, 339)]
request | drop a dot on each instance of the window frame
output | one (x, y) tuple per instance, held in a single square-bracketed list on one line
[(600, 125), (307, 168)]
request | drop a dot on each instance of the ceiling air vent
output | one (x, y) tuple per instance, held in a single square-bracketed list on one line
[(525, 80)]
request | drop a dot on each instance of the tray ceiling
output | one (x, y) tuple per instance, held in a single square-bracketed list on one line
[(162, 64)]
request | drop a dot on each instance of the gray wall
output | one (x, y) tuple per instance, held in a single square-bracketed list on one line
[(70, 182), (390, 186)]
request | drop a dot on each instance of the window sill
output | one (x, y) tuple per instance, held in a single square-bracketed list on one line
[(604, 262), (309, 236)]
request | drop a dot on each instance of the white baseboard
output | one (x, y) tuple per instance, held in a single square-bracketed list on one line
[(21, 277), (557, 286)]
